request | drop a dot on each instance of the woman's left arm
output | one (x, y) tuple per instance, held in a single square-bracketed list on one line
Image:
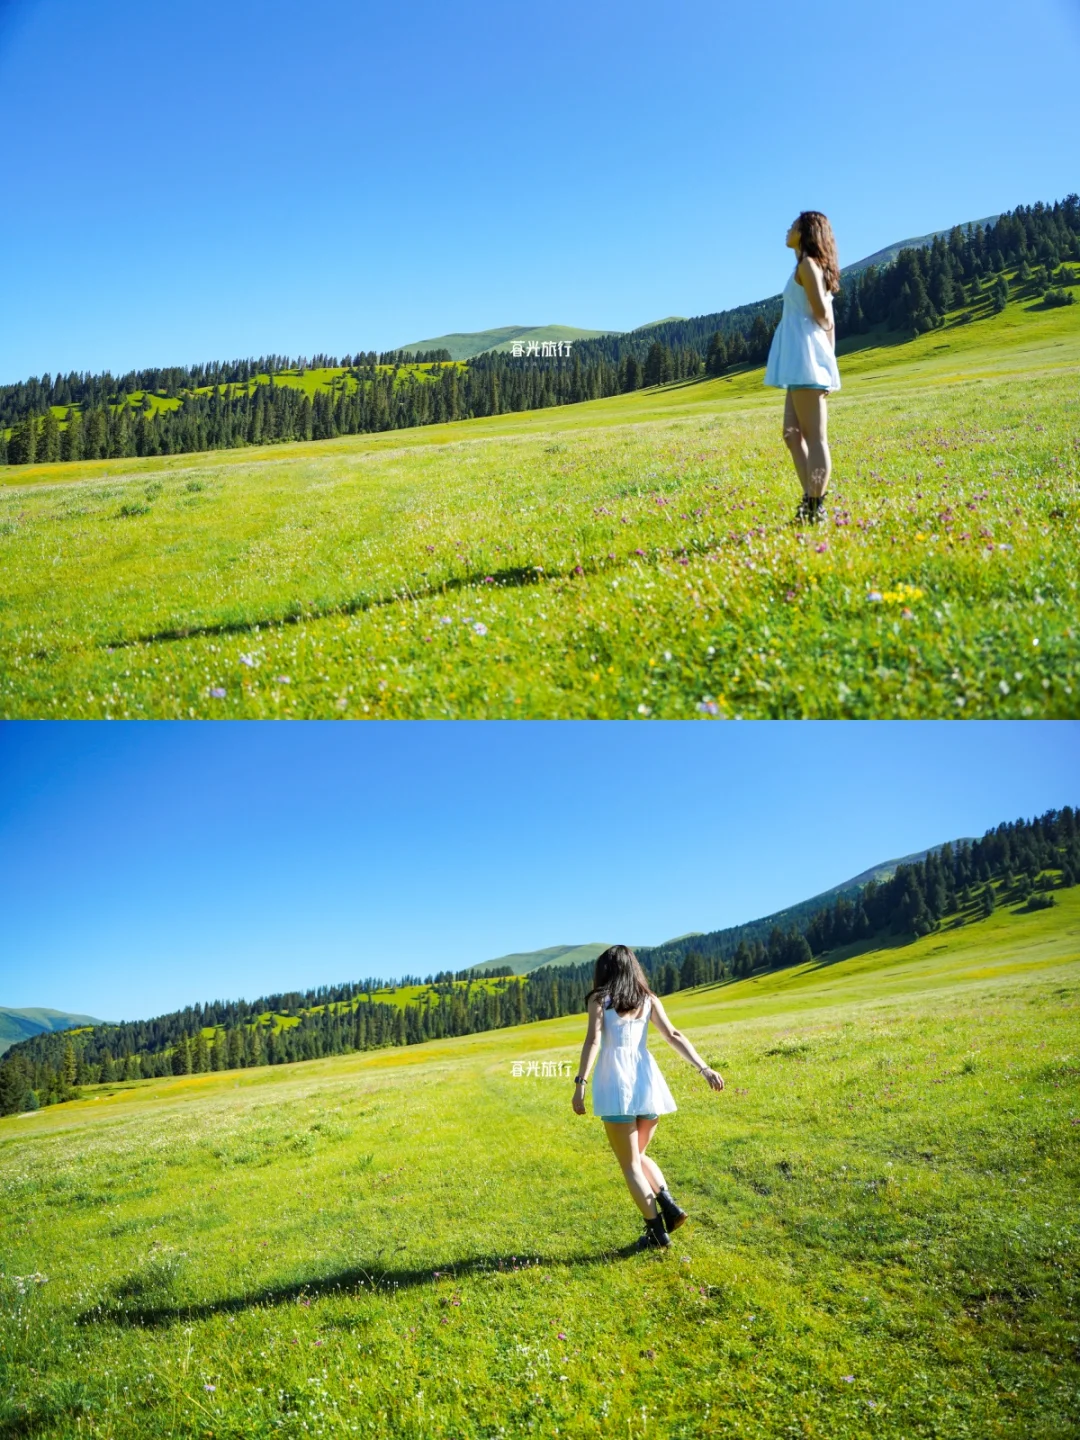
[(814, 286)]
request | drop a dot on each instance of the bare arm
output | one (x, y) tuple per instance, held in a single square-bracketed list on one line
[(816, 294), (588, 1054), (682, 1046)]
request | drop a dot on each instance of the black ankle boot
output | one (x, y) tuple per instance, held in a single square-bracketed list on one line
[(674, 1215), (655, 1234)]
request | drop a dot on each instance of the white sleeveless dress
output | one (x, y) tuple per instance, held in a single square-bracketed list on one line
[(627, 1080), (801, 353)]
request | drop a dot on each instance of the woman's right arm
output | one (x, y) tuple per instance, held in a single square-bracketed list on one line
[(588, 1054), (682, 1046)]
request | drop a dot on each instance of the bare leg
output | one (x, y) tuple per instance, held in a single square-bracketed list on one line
[(652, 1172), (812, 416), (623, 1140), (793, 439)]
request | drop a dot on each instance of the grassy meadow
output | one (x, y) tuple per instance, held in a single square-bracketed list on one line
[(622, 558), (883, 1241)]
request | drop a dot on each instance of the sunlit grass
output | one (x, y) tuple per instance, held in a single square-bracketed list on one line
[(629, 557)]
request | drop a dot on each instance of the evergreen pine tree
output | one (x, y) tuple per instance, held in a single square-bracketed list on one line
[(48, 440), (68, 1066), (71, 436)]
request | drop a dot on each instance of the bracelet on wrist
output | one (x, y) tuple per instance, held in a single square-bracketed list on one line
[(580, 1080)]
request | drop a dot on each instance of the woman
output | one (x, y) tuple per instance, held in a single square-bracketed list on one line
[(802, 357), (629, 1092)]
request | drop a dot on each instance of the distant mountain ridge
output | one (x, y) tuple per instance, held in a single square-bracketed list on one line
[(16, 1025), (793, 914), (465, 345), (483, 342), (918, 242), (525, 962)]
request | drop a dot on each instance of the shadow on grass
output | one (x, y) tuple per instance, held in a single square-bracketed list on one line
[(860, 947), (514, 577), (358, 1280)]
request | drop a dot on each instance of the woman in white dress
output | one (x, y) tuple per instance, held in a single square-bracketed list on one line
[(629, 1092), (802, 357)]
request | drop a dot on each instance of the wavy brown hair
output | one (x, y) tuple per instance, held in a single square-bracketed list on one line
[(817, 240), (618, 973)]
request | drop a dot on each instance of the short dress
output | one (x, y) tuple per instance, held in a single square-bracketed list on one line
[(627, 1080), (800, 354)]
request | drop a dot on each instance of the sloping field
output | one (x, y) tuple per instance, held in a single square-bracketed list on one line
[(623, 558), (883, 1237)]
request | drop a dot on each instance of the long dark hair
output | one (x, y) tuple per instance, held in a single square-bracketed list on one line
[(619, 974), (817, 240)]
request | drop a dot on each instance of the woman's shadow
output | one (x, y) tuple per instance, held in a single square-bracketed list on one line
[(130, 1306)]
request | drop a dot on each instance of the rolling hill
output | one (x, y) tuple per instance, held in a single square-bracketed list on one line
[(16, 1025), (525, 962), (482, 342)]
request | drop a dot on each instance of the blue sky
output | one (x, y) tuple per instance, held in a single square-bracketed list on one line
[(145, 865), (185, 184)]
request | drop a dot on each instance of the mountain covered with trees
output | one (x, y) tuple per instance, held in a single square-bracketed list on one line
[(1019, 863), (16, 1025), (959, 277)]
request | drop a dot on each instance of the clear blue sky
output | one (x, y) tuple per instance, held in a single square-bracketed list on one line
[(186, 183), (144, 866)]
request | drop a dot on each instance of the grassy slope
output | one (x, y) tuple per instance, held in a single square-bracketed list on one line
[(883, 1238), (375, 542)]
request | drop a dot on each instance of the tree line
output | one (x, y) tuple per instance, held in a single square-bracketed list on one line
[(1019, 862), (223, 405), (231, 1035)]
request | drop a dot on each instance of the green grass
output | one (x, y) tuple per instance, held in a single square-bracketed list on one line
[(622, 558), (883, 1238)]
